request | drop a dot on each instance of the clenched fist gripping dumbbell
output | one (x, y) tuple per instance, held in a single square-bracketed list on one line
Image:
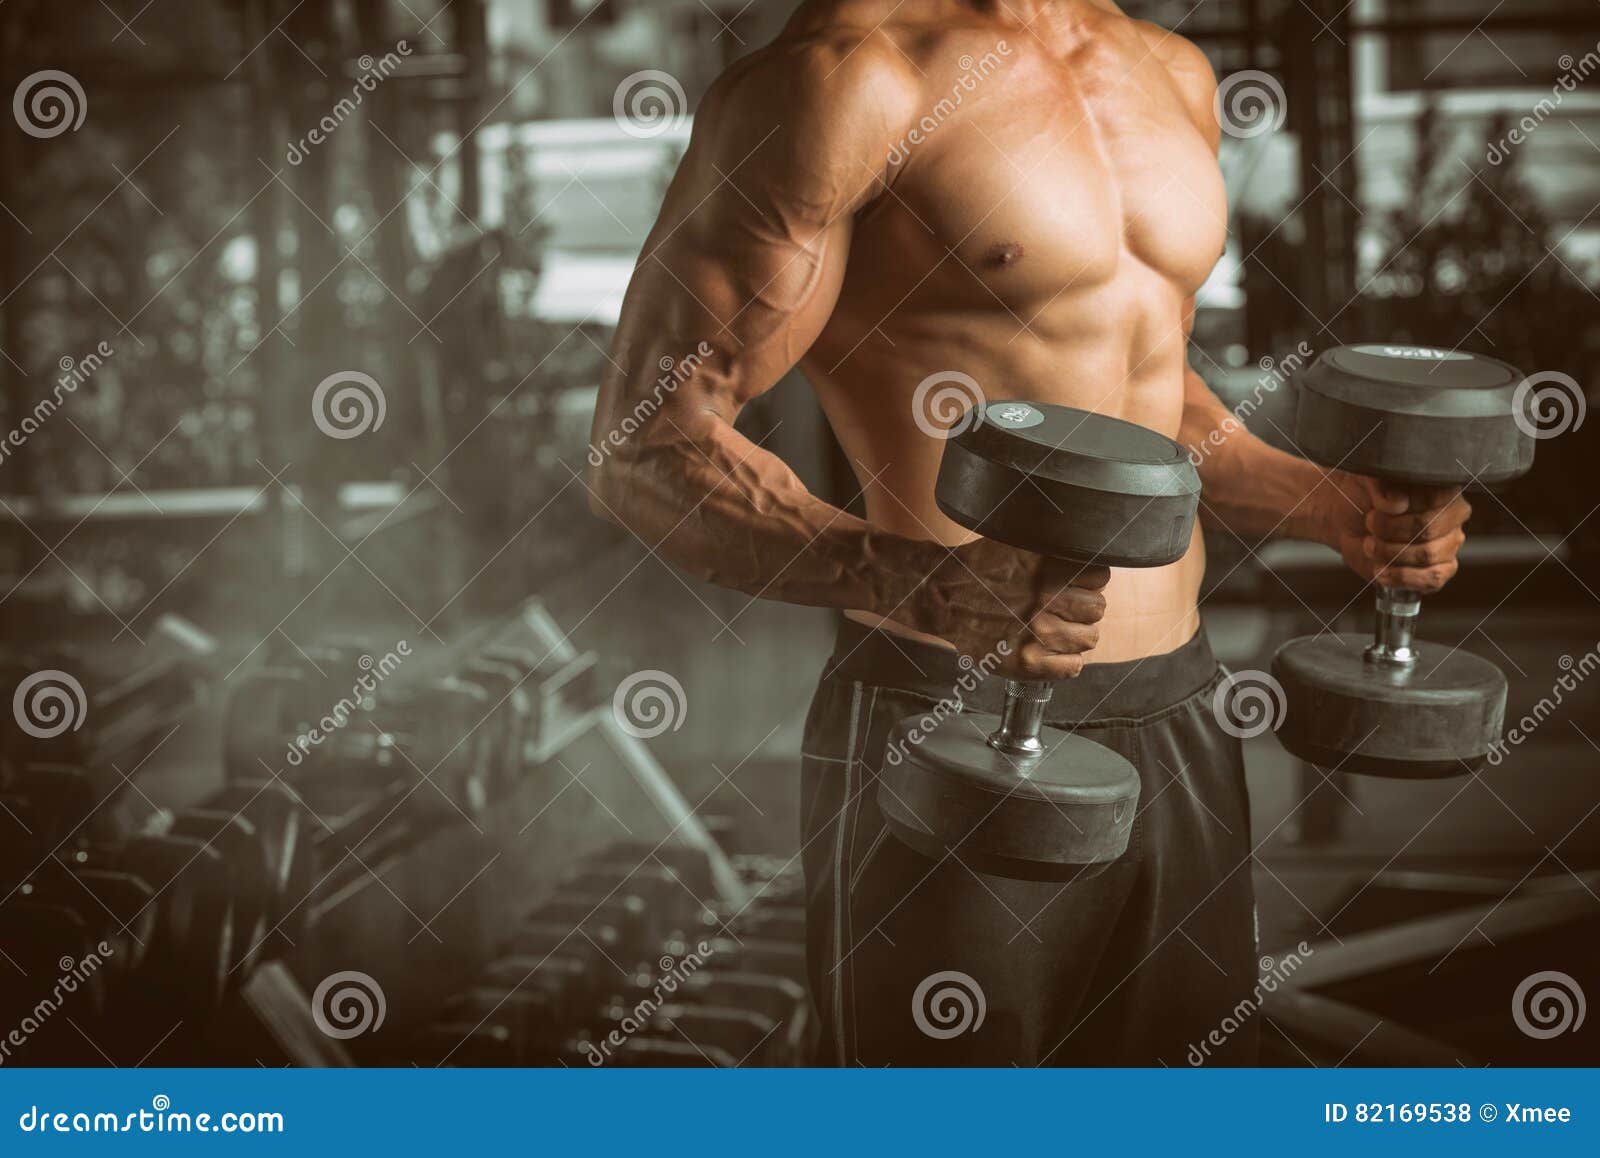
[(1007, 794), (1414, 418)]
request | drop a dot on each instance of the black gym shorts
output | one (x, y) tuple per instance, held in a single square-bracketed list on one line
[(1132, 963)]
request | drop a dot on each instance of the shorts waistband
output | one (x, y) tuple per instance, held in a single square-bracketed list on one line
[(1128, 689)]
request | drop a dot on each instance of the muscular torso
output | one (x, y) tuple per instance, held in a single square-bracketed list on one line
[(1043, 238)]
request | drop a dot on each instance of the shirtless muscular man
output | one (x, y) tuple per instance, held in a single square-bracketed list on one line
[(1045, 235)]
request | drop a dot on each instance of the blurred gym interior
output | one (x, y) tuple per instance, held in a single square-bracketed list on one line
[(334, 285)]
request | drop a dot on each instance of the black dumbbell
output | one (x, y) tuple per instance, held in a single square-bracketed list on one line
[(114, 906), (692, 865), (191, 949), (511, 705), (435, 745), (74, 707), (746, 955), (639, 928), (660, 887), (777, 998), (289, 697), (775, 923), (51, 810), (535, 1022), (558, 690), (248, 880), (1414, 417), (742, 1035), (48, 943), (288, 839), (1007, 794)]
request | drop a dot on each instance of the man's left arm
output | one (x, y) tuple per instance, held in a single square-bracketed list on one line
[(1400, 538)]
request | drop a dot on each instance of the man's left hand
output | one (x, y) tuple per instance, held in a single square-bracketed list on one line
[(1398, 536)]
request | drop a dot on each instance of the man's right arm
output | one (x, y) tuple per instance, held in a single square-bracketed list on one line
[(736, 281), (746, 262)]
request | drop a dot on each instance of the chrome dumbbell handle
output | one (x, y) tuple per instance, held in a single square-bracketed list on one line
[(1022, 719), (1395, 627)]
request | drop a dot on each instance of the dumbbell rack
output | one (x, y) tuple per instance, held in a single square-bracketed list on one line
[(625, 965), (242, 997), (623, 771)]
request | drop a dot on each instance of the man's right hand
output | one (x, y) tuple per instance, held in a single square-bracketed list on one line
[(1044, 610)]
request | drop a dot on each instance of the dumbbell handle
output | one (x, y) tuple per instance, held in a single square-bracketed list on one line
[(1394, 627), (1022, 719), (1396, 621)]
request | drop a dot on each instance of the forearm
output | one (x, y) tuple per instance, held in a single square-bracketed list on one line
[(732, 514), (1248, 487)]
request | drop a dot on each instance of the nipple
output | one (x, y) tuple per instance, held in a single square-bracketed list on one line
[(1005, 255)]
